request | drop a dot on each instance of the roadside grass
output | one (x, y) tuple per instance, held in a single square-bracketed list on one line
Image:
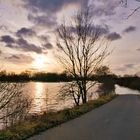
[(35, 125)]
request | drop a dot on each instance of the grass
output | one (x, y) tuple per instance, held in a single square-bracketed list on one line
[(35, 125)]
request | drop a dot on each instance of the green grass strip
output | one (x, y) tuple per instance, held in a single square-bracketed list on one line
[(40, 123)]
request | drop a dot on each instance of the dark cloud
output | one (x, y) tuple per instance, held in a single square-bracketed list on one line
[(45, 41), (43, 20), (130, 29), (7, 39), (104, 8), (19, 58), (43, 12), (102, 30), (44, 38), (100, 7), (20, 44), (26, 46), (51, 6), (25, 32), (114, 36), (48, 46)]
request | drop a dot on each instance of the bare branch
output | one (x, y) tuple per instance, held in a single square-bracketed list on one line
[(82, 48)]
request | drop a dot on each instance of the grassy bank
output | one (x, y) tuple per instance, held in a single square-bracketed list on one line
[(37, 124)]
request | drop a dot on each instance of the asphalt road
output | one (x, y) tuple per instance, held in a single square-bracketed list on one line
[(116, 120)]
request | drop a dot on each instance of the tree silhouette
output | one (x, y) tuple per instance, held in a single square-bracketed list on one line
[(83, 48)]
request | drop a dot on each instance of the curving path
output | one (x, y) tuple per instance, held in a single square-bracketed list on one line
[(116, 120)]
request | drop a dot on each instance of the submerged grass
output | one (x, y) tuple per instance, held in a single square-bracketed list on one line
[(35, 125)]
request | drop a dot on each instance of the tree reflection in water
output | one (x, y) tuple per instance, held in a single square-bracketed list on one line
[(106, 88)]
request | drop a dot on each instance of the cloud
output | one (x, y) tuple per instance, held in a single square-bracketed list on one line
[(104, 8), (43, 12), (114, 36), (20, 44), (126, 67), (50, 6), (130, 29), (121, 69), (14, 57), (48, 46), (138, 49), (101, 30), (26, 46), (25, 32), (129, 65), (44, 38), (100, 7), (4, 28), (43, 20), (7, 39), (20, 58)]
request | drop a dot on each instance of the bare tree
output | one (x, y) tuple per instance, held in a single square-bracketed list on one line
[(83, 49), (14, 105)]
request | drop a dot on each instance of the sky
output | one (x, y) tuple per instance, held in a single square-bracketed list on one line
[(27, 33)]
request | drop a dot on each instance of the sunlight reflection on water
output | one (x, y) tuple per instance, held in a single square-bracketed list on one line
[(45, 96), (39, 98)]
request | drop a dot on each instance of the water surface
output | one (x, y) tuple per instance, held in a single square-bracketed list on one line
[(45, 96)]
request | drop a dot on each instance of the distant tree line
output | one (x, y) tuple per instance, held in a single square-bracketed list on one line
[(51, 77), (39, 76), (132, 82), (104, 76), (129, 81)]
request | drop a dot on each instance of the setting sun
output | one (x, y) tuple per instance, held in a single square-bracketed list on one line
[(39, 61)]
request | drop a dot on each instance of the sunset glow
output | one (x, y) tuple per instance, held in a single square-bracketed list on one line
[(27, 32), (39, 62)]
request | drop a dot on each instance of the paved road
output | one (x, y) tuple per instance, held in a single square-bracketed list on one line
[(117, 120)]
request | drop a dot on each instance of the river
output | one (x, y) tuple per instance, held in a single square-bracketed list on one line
[(45, 96)]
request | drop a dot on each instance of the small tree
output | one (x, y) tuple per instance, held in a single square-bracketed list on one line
[(83, 48), (14, 105), (103, 70)]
